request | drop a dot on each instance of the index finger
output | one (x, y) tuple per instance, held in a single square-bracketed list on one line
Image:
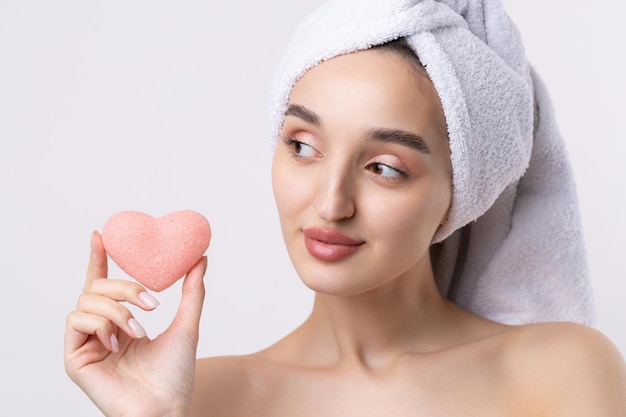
[(97, 267)]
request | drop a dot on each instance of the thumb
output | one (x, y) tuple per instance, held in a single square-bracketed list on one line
[(187, 319)]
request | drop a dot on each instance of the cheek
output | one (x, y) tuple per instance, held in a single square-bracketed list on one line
[(406, 229), (411, 222), (279, 185), (289, 189)]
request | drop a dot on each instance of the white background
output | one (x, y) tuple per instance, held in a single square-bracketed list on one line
[(160, 106)]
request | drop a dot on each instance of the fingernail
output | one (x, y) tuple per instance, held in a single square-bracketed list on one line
[(115, 346), (136, 328), (148, 300)]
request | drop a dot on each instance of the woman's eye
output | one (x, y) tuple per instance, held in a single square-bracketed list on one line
[(385, 170), (301, 149)]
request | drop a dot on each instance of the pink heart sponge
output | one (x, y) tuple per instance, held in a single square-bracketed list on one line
[(156, 251)]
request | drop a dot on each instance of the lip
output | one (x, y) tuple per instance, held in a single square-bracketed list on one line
[(329, 244)]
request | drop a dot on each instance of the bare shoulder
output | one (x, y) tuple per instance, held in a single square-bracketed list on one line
[(572, 369)]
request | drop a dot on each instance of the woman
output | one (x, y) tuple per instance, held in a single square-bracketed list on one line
[(367, 175)]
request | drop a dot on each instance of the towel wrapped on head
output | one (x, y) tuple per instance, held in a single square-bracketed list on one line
[(512, 248)]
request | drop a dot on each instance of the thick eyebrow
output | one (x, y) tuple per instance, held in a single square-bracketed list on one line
[(401, 137), (398, 136), (303, 113)]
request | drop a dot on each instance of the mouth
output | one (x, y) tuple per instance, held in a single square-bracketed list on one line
[(329, 245)]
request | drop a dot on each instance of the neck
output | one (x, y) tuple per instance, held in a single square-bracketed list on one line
[(374, 329)]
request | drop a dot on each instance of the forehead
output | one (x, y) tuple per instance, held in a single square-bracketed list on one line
[(374, 86)]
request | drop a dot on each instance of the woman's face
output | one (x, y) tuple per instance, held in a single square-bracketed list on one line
[(361, 172)]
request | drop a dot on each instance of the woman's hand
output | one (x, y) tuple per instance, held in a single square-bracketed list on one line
[(108, 355)]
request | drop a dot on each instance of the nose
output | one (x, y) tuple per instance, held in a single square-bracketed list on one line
[(334, 200)]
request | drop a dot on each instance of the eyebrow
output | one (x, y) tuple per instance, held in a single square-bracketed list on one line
[(386, 135), (303, 113), (400, 137)]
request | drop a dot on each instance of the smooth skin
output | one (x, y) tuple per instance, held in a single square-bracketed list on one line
[(380, 340)]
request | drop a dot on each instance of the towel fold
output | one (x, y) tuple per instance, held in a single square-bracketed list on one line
[(512, 247)]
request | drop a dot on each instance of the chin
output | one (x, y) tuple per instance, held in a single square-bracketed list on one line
[(337, 281)]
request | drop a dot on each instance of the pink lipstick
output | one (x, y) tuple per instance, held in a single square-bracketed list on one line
[(329, 245)]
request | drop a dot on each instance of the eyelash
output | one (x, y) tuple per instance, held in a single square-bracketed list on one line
[(292, 142), (291, 145), (402, 173), (289, 141)]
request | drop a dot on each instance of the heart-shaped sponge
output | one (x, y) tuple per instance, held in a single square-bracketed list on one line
[(156, 251)]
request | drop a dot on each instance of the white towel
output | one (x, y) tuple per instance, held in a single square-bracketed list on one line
[(512, 248)]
